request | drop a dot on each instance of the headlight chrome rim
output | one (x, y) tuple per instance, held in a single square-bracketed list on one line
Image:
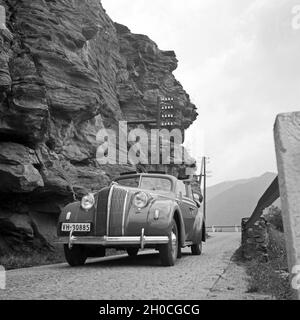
[(88, 201), (141, 199)]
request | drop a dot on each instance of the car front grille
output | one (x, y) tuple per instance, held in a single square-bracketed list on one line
[(101, 217), (116, 211)]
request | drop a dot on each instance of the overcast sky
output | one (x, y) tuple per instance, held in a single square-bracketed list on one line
[(240, 62)]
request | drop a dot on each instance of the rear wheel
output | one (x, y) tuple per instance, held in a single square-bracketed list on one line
[(179, 253), (168, 252), (76, 256), (196, 249), (132, 252)]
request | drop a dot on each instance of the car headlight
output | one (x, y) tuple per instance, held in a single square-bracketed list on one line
[(140, 199), (87, 201)]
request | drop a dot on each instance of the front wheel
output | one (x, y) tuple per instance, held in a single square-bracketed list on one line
[(168, 252), (76, 256), (196, 249), (132, 252)]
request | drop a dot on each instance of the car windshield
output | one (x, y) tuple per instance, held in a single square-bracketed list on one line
[(129, 182), (147, 183), (155, 183)]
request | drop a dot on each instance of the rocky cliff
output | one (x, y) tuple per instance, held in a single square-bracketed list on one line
[(66, 71)]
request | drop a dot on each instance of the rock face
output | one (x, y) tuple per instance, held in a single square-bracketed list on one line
[(66, 71), (17, 168), (146, 73)]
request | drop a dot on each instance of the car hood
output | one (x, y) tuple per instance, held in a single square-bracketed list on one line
[(154, 193)]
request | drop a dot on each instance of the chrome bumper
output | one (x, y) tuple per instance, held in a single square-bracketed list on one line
[(141, 240)]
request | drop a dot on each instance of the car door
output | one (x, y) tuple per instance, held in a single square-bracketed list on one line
[(193, 210), (188, 208)]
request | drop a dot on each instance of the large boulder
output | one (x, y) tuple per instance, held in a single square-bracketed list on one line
[(19, 230), (17, 169)]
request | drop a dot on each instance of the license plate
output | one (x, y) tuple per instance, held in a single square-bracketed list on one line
[(78, 227)]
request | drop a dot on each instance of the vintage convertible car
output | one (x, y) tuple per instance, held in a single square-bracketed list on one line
[(137, 211)]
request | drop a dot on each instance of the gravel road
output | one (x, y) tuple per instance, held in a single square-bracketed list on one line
[(121, 277)]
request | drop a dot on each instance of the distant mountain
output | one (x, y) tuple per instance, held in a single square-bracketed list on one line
[(230, 201), (213, 191)]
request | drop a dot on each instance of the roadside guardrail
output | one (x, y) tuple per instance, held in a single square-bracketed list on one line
[(235, 228)]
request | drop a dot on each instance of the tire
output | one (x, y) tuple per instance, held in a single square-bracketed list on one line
[(196, 249), (75, 256), (179, 253), (132, 252), (168, 252), (101, 252)]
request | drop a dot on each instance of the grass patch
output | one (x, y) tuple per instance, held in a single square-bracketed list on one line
[(30, 257), (271, 277)]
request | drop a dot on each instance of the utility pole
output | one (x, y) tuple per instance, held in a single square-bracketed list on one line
[(204, 187), (203, 174)]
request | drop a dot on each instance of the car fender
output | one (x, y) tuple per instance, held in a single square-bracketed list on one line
[(73, 213), (169, 209), (74, 208), (198, 229), (177, 215)]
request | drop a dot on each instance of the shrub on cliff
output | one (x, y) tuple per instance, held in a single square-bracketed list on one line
[(274, 217)]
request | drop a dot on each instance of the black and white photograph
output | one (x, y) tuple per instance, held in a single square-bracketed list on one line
[(149, 154)]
